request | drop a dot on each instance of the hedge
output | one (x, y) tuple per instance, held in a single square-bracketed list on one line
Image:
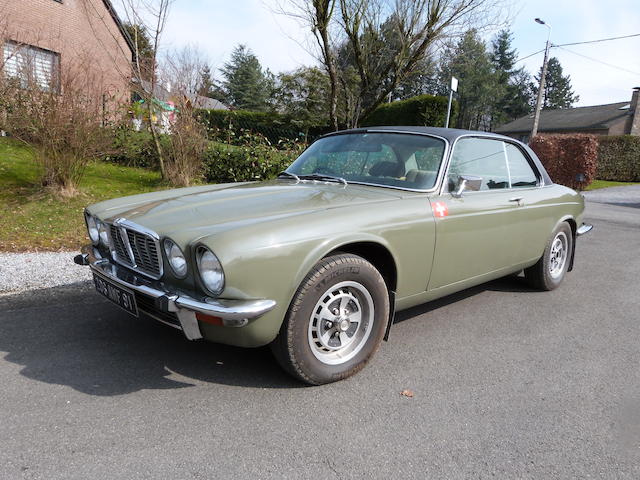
[(427, 110), (619, 158), (221, 125), (230, 163), (570, 160)]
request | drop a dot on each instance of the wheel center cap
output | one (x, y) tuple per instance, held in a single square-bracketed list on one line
[(343, 325)]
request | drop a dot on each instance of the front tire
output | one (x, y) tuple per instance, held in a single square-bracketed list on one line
[(549, 271), (335, 322)]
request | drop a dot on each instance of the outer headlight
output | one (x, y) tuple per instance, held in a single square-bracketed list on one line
[(176, 258), (210, 270), (102, 233), (92, 227)]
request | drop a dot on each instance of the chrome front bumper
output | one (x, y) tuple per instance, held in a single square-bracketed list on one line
[(232, 313), (584, 228)]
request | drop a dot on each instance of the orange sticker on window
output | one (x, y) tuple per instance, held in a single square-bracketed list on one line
[(440, 209)]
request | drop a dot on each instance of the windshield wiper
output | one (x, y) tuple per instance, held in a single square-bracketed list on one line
[(289, 174), (320, 176)]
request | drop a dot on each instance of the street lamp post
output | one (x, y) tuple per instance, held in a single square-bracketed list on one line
[(536, 116)]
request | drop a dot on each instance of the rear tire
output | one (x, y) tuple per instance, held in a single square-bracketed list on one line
[(549, 271), (335, 322)]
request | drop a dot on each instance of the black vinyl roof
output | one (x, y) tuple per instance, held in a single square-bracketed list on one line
[(448, 133)]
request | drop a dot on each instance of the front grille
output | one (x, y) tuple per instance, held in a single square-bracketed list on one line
[(119, 247), (144, 248)]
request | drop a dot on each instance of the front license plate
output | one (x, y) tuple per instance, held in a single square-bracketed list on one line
[(118, 295)]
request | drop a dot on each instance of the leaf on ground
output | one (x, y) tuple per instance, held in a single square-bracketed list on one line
[(407, 393)]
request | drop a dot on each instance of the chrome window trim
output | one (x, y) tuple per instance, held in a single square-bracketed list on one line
[(445, 155), (122, 224), (541, 182)]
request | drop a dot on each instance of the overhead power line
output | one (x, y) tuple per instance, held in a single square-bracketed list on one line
[(597, 41), (531, 55), (598, 61)]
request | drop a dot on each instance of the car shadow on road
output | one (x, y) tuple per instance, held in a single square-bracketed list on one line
[(511, 283), (71, 336)]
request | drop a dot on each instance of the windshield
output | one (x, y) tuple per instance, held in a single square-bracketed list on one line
[(390, 159)]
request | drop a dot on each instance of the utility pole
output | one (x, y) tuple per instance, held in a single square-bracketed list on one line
[(454, 88), (536, 116)]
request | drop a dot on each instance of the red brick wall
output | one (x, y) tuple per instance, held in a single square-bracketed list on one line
[(76, 29)]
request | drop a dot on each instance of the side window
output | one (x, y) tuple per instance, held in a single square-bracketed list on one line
[(480, 157), (522, 175)]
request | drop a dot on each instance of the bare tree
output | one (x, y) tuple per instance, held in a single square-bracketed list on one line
[(187, 140), (148, 16), (383, 40), (60, 118)]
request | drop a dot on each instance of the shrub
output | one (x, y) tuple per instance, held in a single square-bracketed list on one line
[(64, 122), (186, 147), (619, 158), (261, 161), (570, 160), (425, 110), (134, 149), (225, 125)]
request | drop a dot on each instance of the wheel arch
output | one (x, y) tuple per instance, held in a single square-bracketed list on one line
[(376, 254), (574, 228)]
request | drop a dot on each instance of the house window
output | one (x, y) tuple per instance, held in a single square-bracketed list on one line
[(31, 65)]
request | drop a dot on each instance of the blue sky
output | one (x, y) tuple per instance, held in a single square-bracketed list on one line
[(216, 26)]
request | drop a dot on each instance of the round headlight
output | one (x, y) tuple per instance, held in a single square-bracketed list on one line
[(102, 233), (92, 227), (210, 270), (175, 257)]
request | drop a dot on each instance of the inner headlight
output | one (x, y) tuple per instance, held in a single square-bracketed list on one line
[(175, 257), (210, 270), (102, 233), (92, 227)]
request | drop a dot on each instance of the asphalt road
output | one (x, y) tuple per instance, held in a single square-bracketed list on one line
[(508, 382)]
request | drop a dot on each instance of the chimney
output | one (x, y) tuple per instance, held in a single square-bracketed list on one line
[(633, 124)]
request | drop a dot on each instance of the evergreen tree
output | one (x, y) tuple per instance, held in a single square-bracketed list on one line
[(512, 85), (303, 95), (142, 42), (558, 92), (246, 85), (469, 61), (208, 87)]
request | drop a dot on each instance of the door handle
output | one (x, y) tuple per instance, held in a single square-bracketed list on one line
[(516, 199)]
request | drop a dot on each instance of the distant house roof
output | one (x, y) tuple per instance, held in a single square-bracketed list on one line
[(206, 103), (598, 117), (164, 94)]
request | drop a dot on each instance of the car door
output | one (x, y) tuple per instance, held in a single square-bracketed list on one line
[(472, 239), (530, 223)]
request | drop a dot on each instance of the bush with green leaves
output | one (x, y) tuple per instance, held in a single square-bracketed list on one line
[(619, 158), (423, 110), (255, 161), (225, 126), (135, 149)]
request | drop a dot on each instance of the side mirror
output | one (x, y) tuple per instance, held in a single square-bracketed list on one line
[(467, 182)]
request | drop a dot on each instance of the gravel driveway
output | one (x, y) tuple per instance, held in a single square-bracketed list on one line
[(33, 271)]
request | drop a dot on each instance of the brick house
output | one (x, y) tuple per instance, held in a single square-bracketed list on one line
[(621, 118), (40, 37)]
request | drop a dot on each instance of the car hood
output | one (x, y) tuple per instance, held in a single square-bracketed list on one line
[(207, 209)]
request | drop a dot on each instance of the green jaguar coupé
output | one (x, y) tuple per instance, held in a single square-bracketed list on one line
[(315, 262)]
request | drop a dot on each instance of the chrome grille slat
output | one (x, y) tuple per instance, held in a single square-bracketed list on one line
[(135, 249)]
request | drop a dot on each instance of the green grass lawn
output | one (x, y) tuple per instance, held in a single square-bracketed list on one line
[(596, 184), (34, 220)]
